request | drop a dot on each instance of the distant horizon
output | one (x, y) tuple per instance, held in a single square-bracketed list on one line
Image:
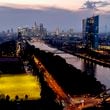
[(55, 14)]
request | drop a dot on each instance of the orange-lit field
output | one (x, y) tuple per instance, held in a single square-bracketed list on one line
[(20, 85)]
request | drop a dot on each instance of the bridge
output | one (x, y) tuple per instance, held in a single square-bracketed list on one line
[(105, 95), (97, 61)]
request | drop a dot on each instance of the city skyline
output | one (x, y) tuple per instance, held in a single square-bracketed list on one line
[(55, 14)]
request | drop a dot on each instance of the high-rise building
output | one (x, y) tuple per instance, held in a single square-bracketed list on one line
[(43, 31), (41, 27), (35, 24), (35, 31), (84, 30), (90, 32), (24, 31)]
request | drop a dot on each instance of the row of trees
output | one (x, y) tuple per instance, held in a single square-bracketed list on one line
[(72, 80)]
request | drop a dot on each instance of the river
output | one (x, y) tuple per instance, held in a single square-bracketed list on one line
[(101, 73)]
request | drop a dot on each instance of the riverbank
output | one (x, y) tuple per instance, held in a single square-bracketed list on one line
[(89, 57), (72, 80)]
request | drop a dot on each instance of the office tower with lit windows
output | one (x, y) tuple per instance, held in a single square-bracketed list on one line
[(90, 32)]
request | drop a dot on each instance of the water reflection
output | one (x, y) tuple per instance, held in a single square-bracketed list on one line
[(73, 60), (103, 75), (89, 67)]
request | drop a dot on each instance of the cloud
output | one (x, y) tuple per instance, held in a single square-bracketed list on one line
[(95, 5), (24, 6), (68, 6), (103, 3)]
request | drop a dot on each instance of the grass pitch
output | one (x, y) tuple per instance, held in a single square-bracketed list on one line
[(20, 84)]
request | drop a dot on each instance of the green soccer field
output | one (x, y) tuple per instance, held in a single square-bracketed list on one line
[(20, 85)]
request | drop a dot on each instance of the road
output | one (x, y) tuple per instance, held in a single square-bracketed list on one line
[(70, 102), (50, 80)]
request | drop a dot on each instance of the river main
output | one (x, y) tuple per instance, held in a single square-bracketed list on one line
[(101, 73)]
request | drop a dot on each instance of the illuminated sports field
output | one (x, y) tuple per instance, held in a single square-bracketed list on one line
[(20, 85)]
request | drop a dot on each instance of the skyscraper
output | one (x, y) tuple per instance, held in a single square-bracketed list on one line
[(90, 32)]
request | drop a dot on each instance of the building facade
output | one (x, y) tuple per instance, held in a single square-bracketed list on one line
[(90, 32)]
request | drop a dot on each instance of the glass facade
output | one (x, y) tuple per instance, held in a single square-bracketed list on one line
[(90, 32)]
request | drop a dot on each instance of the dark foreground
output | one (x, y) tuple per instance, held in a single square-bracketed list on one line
[(72, 80)]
